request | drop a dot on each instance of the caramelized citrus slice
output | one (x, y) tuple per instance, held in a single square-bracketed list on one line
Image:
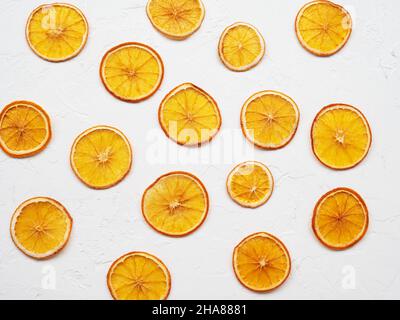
[(250, 184), (40, 227), (138, 276), (189, 115), (132, 71), (340, 219), (25, 129), (176, 204), (323, 28), (341, 136), (241, 47), (57, 32), (101, 157), (176, 19), (269, 119), (261, 262)]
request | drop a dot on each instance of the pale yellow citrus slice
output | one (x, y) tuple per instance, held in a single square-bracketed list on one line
[(241, 47), (261, 262), (269, 119), (250, 184), (101, 157), (139, 276), (340, 218), (25, 129), (132, 71), (341, 136), (176, 204), (189, 115), (40, 227), (57, 32), (176, 19), (323, 27)]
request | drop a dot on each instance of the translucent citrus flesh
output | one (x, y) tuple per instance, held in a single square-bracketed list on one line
[(57, 32), (250, 184), (24, 129), (341, 137), (41, 227), (176, 18), (340, 219), (139, 276), (270, 119), (101, 157), (189, 116), (261, 262), (323, 27), (241, 47), (132, 72), (176, 204)]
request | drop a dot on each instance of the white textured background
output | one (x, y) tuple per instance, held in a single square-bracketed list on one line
[(107, 224)]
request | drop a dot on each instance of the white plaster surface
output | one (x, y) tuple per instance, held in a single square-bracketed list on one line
[(107, 224)]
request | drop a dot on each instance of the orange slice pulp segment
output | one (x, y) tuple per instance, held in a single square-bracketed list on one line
[(176, 204), (138, 276)]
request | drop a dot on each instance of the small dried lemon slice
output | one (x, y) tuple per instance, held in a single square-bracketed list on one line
[(269, 119), (176, 204), (241, 47), (57, 32), (323, 27), (176, 19), (139, 276), (250, 184), (341, 136), (40, 227), (189, 115), (340, 218), (261, 262), (132, 71), (101, 157), (25, 129)]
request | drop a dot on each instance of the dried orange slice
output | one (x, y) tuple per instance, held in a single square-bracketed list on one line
[(176, 19), (176, 204), (241, 47), (40, 227), (340, 218), (261, 262), (323, 27), (25, 129), (189, 115), (132, 71), (341, 136), (101, 157), (57, 32), (269, 119), (138, 276), (250, 184)]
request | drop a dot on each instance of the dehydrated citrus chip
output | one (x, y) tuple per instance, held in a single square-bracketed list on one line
[(341, 136), (176, 19), (25, 129), (261, 262), (189, 115), (138, 276), (323, 27), (40, 227), (250, 184), (241, 47), (269, 119), (57, 32), (340, 218), (132, 71), (176, 204), (101, 157)]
